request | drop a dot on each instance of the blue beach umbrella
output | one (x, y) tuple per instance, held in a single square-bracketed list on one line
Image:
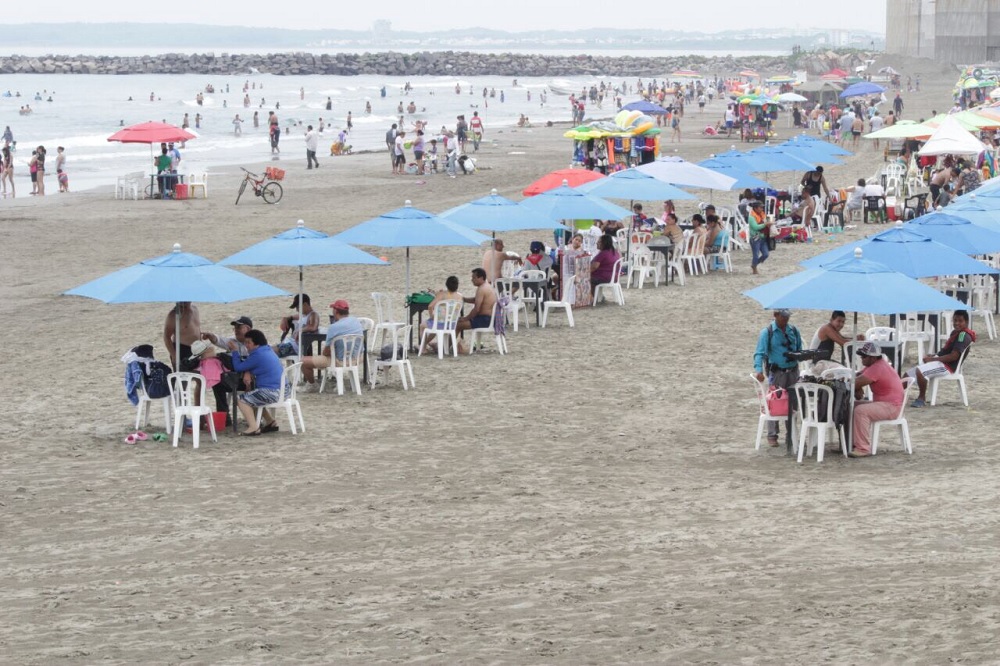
[(909, 252), (784, 159), (743, 179), (814, 153), (861, 88), (981, 211), (956, 232), (566, 203), (633, 185), (301, 247), (644, 106), (177, 277), (411, 227), (496, 213), (818, 144), (748, 163), (852, 284)]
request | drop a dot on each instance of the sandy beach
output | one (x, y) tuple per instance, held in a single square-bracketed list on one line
[(592, 498)]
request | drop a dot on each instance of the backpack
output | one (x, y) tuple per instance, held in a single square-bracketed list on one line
[(156, 380)]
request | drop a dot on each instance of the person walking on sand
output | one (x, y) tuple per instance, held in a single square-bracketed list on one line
[(675, 127), (312, 143), (350, 122)]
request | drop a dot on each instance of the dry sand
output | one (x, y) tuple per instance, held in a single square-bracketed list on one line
[(594, 497)]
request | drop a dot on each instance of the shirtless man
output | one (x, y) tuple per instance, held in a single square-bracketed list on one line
[(190, 331), (494, 259), (482, 310)]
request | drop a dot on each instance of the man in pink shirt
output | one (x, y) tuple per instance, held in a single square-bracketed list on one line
[(887, 397)]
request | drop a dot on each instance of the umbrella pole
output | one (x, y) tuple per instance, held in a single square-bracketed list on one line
[(407, 270), (298, 329), (177, 337)]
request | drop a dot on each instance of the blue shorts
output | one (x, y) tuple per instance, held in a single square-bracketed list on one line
[(481, 321)]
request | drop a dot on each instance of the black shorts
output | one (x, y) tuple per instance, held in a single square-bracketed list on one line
[(400, 160), (418, 155)]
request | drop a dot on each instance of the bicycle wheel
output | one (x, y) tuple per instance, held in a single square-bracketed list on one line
[(272, 193), (243, 186)]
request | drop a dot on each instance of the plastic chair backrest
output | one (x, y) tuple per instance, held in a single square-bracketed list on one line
[(641, 237), (911, 323), (446, 314), (808, 401), (400, 344), (698, 243), (289, 381), (880, 334), (641, 256), (353, 349), (761, 390), (838, 373), (182, 389), (384, 309), (533, 275), (504, 286), (961, 359), (616, 271)]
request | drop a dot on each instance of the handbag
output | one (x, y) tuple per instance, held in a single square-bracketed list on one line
[(777, 402)]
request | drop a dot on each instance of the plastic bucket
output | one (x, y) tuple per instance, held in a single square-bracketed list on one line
[(220, 421), (181, 191)]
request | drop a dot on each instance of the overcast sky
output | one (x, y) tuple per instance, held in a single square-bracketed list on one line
[(513, 15)]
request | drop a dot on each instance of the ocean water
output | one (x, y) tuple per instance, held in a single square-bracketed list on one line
[(86, 109)]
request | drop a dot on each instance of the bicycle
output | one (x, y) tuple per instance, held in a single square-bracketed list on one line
[(265, 186)]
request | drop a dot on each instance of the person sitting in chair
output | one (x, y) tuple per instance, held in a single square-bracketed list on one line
[(449, 293), (482, 310), (946, 360), (343, 324), (267, 370), (887, 397)]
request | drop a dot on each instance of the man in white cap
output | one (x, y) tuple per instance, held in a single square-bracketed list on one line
[(887, 397), (770, 359)]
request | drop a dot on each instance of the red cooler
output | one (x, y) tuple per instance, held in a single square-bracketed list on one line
[(181, 191)]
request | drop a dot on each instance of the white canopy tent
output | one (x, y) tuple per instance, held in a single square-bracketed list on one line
[(952, 139)]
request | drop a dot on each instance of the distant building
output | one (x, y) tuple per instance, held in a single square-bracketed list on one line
[(381, 31), (963, 32)]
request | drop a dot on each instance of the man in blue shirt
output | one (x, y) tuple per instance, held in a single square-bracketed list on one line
[(769, 359), (265, 366), (343, 324)]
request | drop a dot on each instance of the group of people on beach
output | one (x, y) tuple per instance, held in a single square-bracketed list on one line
[(36, 168)]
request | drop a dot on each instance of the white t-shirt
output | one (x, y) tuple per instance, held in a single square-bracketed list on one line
[(399, 145)]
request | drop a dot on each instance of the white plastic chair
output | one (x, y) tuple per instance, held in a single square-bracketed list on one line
[(675, 265), (386, 318), (693, 254), (353, 347), (887, 338), (981, 299), (641, 266), (765, 412), (566, 303), (812, 418), (615, 286), (478, 334), (183, 399), (142, 409), (290, 377), (129, 185), (445, 317), (900, 420), (532, 275), (741, 231), (198, 181), (515, 302), (913, 330), (956, 376), (400, 358)]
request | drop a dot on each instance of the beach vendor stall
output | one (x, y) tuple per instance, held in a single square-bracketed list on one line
[(631, 139), (756, 117)]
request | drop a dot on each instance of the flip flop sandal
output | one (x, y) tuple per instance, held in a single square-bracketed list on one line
[(130, 439), (271, 427), (159, 436), (247, 433), (140, 436)]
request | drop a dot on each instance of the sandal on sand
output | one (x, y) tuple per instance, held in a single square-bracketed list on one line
[(130, 439), (270, 427), (250, 433), (141, 436), (159, 436), (772, 441)]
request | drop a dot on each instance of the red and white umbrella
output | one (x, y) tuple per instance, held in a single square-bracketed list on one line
[(151, 132)]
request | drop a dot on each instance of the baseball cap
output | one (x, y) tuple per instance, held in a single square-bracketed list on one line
[(870, 349), (244, 320), (340, 305)]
